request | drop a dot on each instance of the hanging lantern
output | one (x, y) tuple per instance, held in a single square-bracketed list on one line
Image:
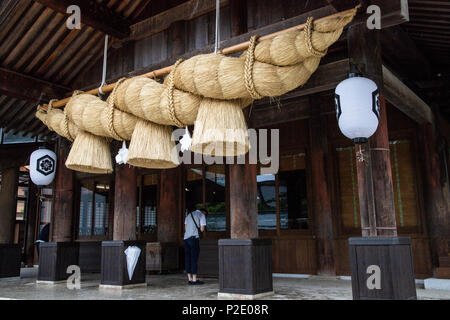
[(42, 166), (357, 107)]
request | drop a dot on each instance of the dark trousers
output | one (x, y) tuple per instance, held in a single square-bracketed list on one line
[(191, 251)]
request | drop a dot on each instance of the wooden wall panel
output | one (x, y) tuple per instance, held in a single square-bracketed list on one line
[(405, 188), (264, 12), (294, 256), (421, 257), (341, 257)]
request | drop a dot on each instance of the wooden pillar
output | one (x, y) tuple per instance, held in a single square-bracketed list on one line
[(245, 262), (30, 234), (62, 217), (110, 234), (243, 201), (8, 202), (169, 210), (379, 245), (323, 218), (125, 193), (436, 195), (376, 203)]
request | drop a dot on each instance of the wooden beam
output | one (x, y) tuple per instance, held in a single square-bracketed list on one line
[(185, 11), (405, 99), (21, 86), (6, 7), (277, 114), (93, 14), (393, 12)]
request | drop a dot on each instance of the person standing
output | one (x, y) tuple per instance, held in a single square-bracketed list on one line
[(194, 224)]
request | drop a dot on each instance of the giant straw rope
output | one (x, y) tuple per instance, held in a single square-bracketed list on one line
[(270, 67)]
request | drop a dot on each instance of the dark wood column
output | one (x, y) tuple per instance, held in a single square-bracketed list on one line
[(169, 211), (62, 225), (125, 193), (379, 245), (8, 203), (245, 262), (323, 218), (377, 203), (113, 270), (32, 210), (436, 195), (243, 201)]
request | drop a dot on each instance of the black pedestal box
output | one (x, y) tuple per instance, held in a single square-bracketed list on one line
[(114, 263), (54, 258), (10, 256), (392, 257), (245, 266)]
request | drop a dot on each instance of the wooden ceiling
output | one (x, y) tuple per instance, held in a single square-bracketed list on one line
[(37, 47), (429, 28)]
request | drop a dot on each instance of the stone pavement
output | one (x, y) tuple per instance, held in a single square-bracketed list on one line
[(174, 286)]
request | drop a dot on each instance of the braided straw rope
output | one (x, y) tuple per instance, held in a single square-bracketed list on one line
[(170, 92), (65, 127), (49, 109), (248, 69), (111, 130), (308, 39)]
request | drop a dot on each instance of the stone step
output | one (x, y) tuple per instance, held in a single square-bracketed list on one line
[(443, 273), (437, 284)]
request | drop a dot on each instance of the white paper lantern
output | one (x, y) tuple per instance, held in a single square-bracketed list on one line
[(42, 167), (357, 107)]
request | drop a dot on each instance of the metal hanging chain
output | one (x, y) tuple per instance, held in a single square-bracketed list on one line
[(216, 44), (105, 60)]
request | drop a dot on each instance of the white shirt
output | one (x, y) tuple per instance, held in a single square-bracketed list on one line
[(191, 229)]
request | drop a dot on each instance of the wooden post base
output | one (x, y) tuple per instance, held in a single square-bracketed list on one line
[(237, 296), (392, 256), (245, 266), (114, 264), (10, 256), (54, 258), (90, 257), (128, 286)]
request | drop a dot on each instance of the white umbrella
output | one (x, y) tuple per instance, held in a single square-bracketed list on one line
[(132, 254)]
